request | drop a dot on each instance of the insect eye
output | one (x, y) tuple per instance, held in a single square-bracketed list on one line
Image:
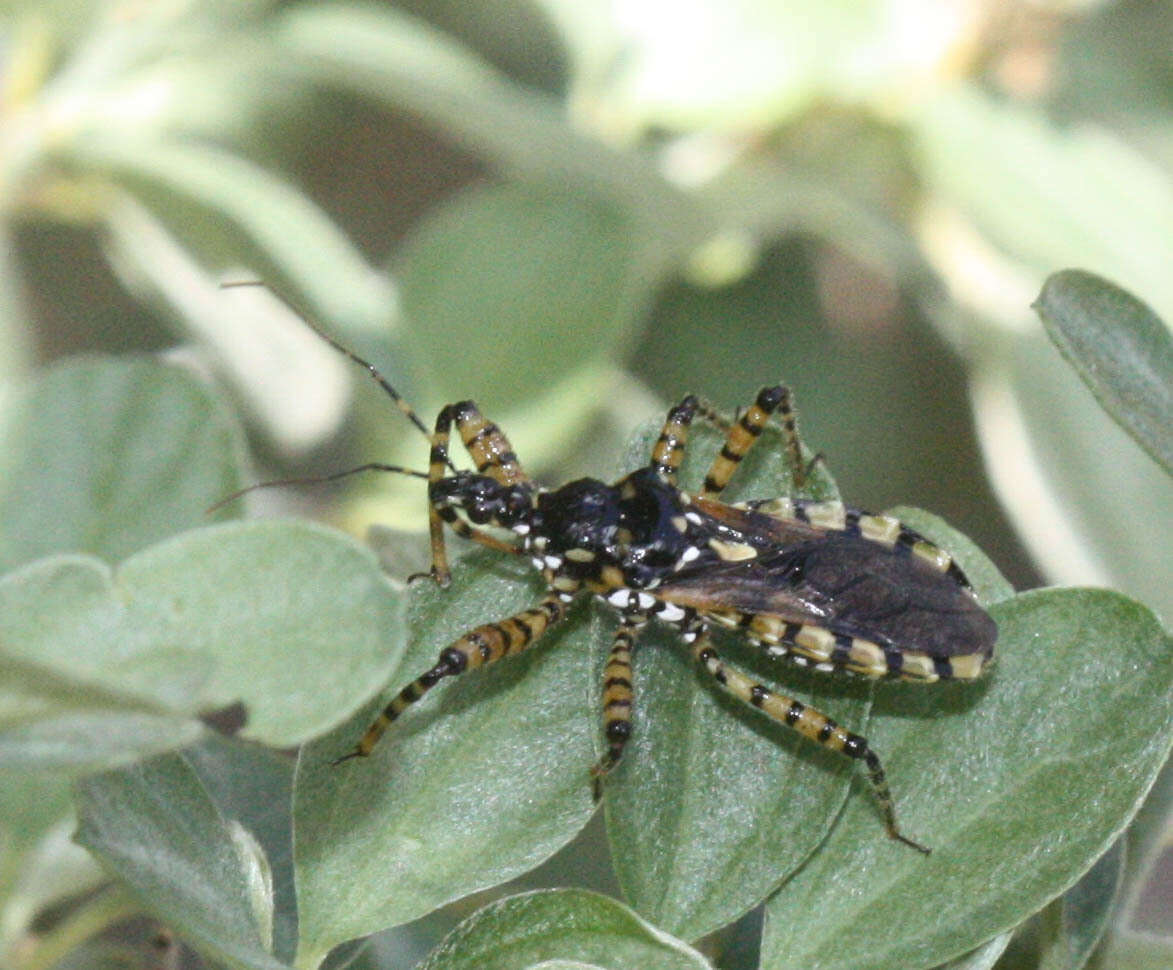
[(480, 510)]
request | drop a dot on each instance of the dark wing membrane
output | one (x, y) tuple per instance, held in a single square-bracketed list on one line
[(849, 586)]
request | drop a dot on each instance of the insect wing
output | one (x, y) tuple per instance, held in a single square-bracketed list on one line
[(851, 587)]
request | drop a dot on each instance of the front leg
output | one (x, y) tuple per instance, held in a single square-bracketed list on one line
[(493, 455)]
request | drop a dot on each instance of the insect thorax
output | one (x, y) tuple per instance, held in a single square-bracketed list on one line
[(631, 534)]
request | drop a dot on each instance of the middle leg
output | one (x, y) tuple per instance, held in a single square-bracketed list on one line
[(618, 697)]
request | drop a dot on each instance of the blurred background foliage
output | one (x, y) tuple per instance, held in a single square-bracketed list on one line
[(576, 211)]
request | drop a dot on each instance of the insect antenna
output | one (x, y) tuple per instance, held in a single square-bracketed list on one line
[(371, 466), (407, 410)]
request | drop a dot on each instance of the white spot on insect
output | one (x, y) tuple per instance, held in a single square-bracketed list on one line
[(652, 584), (689, 637), (619, 598), (646, 601), (539, 543), (680, 523), (537, 561), (553, 562), (801, 661), (566, 597), (824, 668), (521, 528), (580, 555), (670, 613), (779, 652), (694, 518)]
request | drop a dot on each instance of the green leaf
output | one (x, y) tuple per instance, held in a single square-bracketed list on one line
[(1084, 496), (1045, 194), (563, 292), (1074, 923), (253, 786), (713, 806), (299, 619), (294, 621), (563, 926), (983, 957), (1134, 951), (407, 65), (108, 456), (1121, 349), (1018, 783), (154, 826), (254, 215), (479, 782), (284, 376)]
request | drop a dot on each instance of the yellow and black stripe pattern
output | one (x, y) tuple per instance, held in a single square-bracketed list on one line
[(618, 697), (484, 645), (669, 448), (810, 723), (746, 430), (854, 655), (493, 455), (486, 444)]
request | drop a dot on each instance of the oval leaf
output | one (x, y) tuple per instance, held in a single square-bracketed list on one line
[(478, 782), (564, 280), (1018, 783), (263, 220), (154, 826), (1121, 349), (108, 456), (294, 621), (560, 926), (299, 619)]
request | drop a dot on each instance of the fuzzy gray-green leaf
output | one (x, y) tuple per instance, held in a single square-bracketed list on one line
[(478, 782), (155, 828), (1017, 782), (1121, 349), (560, 925), (107, 456), (294, 621)]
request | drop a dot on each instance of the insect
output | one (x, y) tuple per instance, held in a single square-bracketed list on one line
[(817, 583)]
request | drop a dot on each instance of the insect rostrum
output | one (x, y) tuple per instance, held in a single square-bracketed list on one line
[(816, 583)]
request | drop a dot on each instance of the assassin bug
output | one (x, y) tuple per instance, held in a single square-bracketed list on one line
[(818, 583)]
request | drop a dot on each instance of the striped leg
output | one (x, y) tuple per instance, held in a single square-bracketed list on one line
[(669, 450), (478, 647), (806, 721), (746, 430), (617, 701), (491, 452)]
